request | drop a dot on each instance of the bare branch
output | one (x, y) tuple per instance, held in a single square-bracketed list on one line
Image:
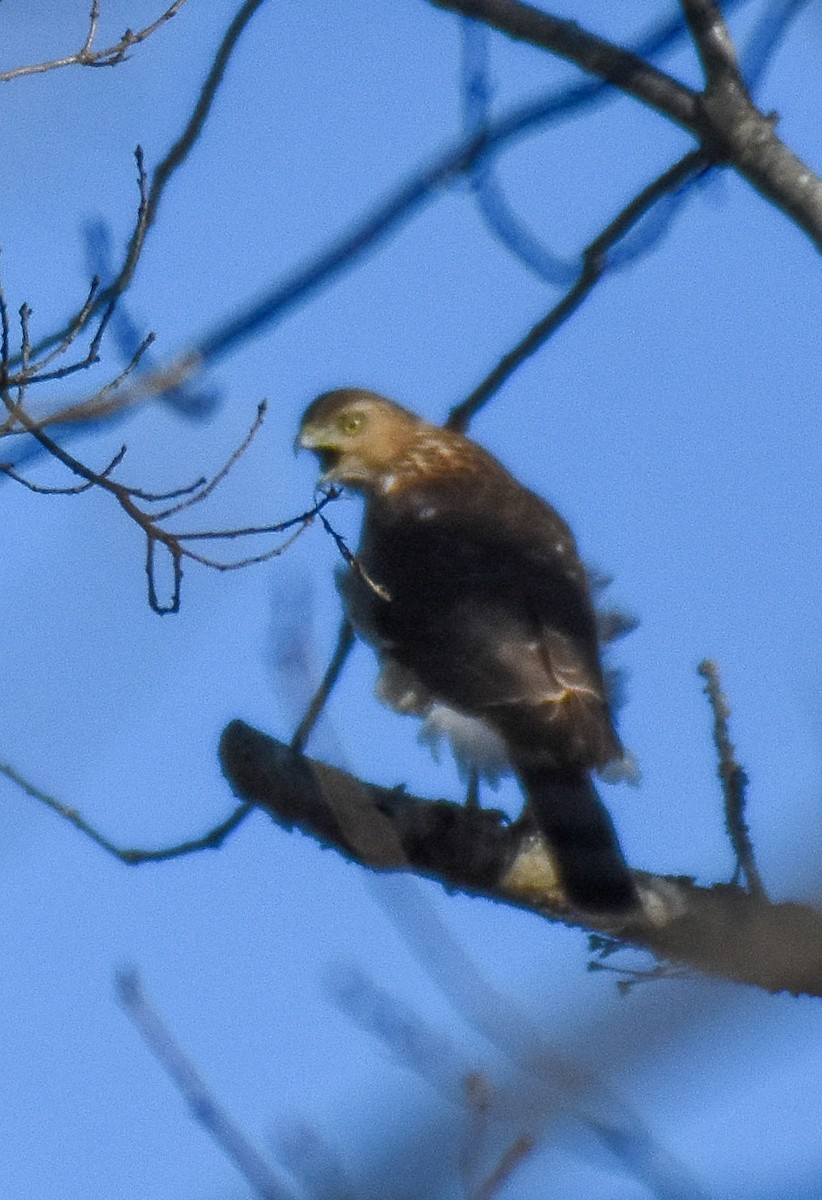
[(733, 779), (622, 68), (194, 1090), (211, 840), (594, 264), (40, 490), (351, 560), (723, 119), (713, 42), (151, 195), (87, 56), (74, 329), (220, 475), (345, 643), (498, 214), (721, 930), (175, 544)]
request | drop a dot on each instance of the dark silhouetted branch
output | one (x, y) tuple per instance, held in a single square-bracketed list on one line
[(713, 42), (622, 68), (594, 264), (734, 781), (721, 930), (723, 119), (211, 840)]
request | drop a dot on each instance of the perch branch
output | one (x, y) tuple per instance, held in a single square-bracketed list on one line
[(721, 930)]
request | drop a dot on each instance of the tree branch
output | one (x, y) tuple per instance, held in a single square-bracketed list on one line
[(211, 840), (733, 779), (713, 42), (594, 264), (723, 119), (152, 193), (622, 68), (87, 56), (720, 930)]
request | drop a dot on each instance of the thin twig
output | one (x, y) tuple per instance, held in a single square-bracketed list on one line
[(155, 534), (41, 490), (353, 562), (74, 329), (32, 363), (220, 475), (94, 20), (254, 530), (253, 559), (173, 494), (192, 1087), (345, 642), (734, 781), (86, 56), (594, 264), (211, 840), (165, 169), (178, 153)]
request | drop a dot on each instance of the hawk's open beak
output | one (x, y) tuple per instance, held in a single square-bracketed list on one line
[(317, 441)]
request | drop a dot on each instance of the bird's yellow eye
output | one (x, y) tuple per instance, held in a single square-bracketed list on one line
[(352, 422)]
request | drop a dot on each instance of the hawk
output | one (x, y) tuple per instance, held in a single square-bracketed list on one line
[(469, 588)]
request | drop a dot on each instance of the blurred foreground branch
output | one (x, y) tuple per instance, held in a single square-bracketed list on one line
[(192, 1087)]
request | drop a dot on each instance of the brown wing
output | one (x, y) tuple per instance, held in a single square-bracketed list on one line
[(488, 606)]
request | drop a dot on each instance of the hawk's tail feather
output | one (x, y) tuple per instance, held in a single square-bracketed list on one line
[(582, 838)]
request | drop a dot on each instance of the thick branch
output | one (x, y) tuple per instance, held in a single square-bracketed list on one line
[(720, 930), (622, 68), (723, 120), (712, 40)]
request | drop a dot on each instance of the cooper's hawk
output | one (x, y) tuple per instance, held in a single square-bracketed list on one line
[(470, 589)]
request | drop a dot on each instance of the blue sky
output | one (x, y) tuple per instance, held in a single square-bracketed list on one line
[(675, 421)]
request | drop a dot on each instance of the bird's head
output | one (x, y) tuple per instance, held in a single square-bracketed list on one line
[(358, 436)]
